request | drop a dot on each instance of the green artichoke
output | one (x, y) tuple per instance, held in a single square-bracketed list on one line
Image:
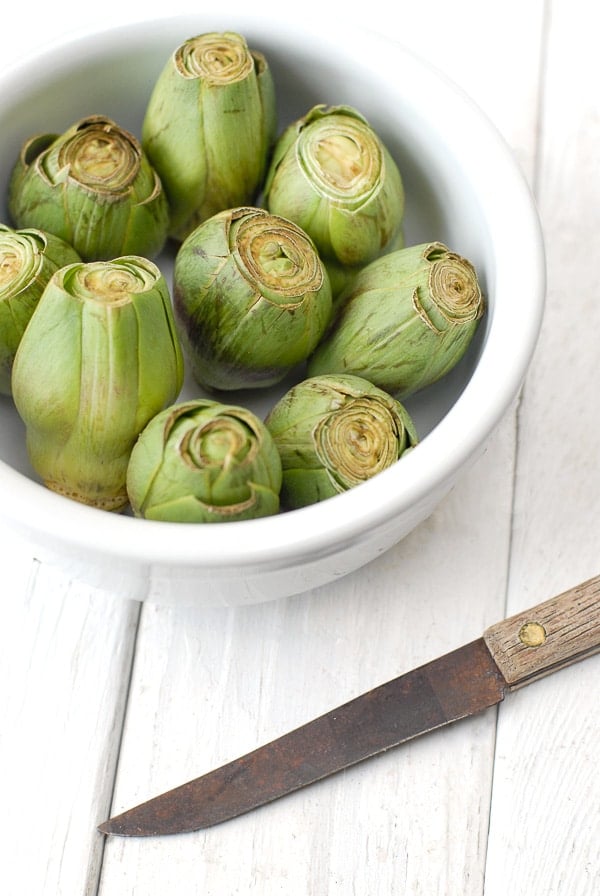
[(209, 127), (251, 296), (202, 461), (100, 357), (332, 175), (94, 187), (406, 320), (28, 258), (334, 432)]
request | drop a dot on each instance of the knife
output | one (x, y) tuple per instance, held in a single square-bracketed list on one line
[(510, 654)]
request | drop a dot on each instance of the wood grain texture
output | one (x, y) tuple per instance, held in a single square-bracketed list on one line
[(65, 654), (545, 812), (544, 638)]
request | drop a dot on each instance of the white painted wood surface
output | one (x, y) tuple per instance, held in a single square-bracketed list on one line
[(100, 695)]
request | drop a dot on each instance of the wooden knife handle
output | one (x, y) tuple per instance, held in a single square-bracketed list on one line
[(554, 634)]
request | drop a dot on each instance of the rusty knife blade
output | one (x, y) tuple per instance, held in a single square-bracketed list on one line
[(449, 688), (510, 654)]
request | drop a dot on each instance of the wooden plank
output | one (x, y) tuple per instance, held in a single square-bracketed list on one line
[(65, 654), (545, 812)]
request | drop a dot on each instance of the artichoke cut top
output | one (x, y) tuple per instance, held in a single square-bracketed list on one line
[(276, 255), (217, 58), (343, 158), (101, 157)]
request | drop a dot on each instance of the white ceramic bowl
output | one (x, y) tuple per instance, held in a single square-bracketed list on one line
[(463, 188)]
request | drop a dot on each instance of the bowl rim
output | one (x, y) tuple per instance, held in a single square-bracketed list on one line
[(321, 529)]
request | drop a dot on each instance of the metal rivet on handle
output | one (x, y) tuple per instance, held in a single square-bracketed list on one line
[(532, 634)]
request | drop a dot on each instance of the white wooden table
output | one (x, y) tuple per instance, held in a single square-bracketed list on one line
[(106, 702)]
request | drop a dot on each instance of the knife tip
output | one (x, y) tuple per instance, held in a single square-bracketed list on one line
[(119, 826), (108, 827), (132, 824)]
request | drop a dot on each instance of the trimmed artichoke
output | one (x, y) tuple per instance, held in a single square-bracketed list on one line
[(94, 187), (251, 297), (334, 432), (28, 258), (209, 127), (406, 320), (202, 461), (332, 175), (99, 359)]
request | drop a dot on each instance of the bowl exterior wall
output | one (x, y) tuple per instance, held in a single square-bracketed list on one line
[(235, 586)]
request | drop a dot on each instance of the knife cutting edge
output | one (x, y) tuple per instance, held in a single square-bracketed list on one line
[(510, 654)]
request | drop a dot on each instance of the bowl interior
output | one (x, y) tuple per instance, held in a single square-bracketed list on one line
[(462, 188)]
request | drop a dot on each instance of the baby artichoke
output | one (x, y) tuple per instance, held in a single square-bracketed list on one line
[(332, 175), (406, 320), (28, 258), (251, 298), (209, 127), (94, 187), (334, 432), (100, 357), (202, 461)]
